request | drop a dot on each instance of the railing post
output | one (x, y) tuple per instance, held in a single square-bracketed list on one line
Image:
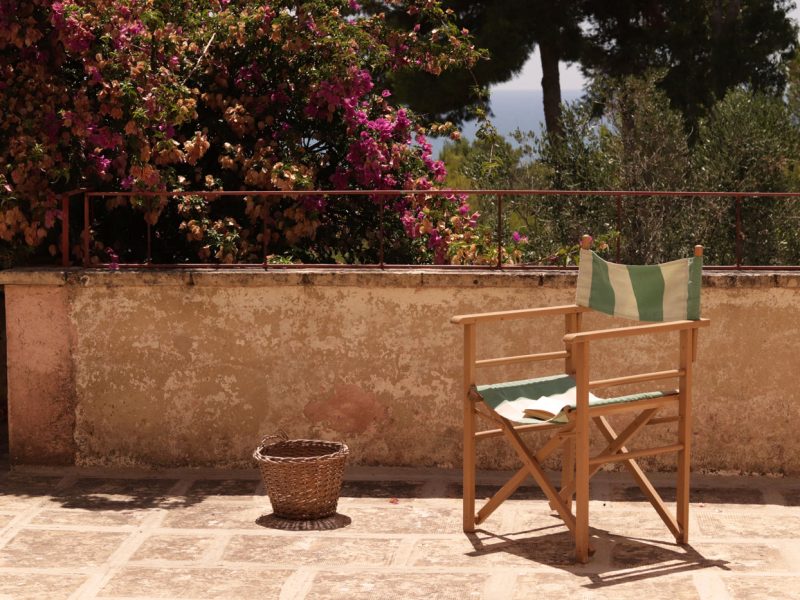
[(619, 226), (264, 232), (86, 229), (500, 231), (84, 246), (65, 230), (381, 232), (738, 232), (149, 258)]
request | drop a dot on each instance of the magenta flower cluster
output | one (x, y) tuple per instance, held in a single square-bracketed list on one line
[(211, 94)]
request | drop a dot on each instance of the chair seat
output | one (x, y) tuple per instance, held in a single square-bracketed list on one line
[(510, 399)]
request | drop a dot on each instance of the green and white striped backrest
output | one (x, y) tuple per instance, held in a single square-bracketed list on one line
[(666, 292)]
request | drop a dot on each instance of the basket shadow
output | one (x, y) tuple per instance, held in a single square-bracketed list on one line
[(335, 521)]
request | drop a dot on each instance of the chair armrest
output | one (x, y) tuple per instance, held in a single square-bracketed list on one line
[(601, 334), (525, 313)]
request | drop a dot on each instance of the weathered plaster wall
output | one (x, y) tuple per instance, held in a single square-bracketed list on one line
[(177, 368), (41, 393)]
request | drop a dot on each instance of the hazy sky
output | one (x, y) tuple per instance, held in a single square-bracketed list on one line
[(571, 79), (531, 76)]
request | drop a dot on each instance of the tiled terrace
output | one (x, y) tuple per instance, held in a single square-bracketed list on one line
[(72, 533)]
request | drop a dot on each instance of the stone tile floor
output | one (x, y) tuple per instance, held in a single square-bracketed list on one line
[(70, 533)]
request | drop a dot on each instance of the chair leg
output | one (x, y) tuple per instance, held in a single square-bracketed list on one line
[(504, 493), (682, 487), (501, 495), (567, 470), (534, 468), (582, 503), (582, 474), (469, 480), (684, 435), (567, 474), (469, 429), (616, 445)]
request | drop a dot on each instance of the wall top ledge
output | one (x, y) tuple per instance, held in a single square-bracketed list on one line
[(409, 278)]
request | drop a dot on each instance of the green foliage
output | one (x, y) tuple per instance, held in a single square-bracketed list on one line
[(503, 29), (748, 142), (492, 162), (704, 48), (648, 151), (490, 159), (154, 95)]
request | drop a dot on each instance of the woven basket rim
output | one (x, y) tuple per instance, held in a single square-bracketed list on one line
[(337, 450)]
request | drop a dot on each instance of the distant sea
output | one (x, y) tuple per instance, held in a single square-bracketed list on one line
[(512, 110)]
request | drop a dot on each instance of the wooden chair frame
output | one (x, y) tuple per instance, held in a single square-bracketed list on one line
[(573, 437)]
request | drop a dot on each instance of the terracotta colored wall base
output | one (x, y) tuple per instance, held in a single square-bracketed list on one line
[(41, 383)]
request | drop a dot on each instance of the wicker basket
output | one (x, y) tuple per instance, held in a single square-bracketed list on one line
[(303, 477)]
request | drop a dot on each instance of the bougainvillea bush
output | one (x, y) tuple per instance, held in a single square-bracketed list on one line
[(202, 95)]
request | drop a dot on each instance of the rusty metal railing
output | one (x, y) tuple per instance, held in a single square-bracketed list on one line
[(89, 196)]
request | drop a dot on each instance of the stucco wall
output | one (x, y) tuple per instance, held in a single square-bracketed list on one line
[(190, 368), (41, 389)]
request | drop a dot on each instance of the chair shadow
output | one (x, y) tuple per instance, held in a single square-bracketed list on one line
[(617, 559)]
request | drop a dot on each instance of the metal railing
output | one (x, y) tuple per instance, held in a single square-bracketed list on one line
[(89, 197)]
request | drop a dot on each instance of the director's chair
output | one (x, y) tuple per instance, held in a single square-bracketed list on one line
[(667, 298)]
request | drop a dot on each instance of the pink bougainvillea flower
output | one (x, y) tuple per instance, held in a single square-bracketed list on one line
[(252, 95), (113, 259)]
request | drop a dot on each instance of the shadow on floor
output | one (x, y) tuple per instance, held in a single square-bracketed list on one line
[(336, 521), (627, 559), (122, 494), (383, 489)]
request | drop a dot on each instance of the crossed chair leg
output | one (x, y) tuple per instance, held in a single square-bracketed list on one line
[(561, 499)]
